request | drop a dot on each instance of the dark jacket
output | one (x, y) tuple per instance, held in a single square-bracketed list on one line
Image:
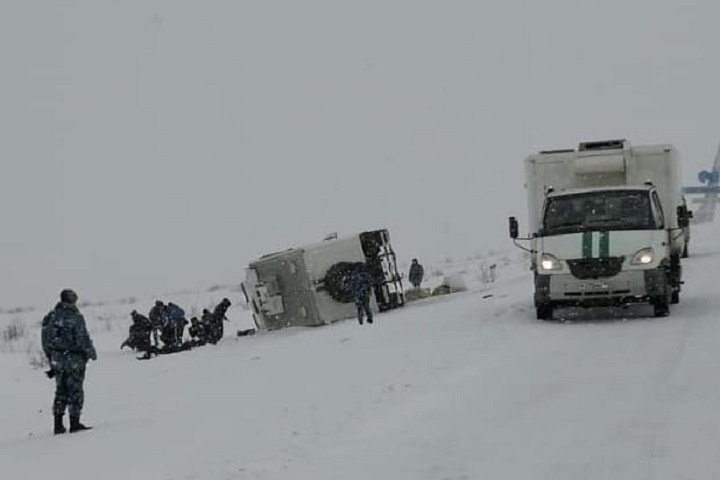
[(360, 284), (175, 315), (221, 310), (158, 316), (196, 330), (416, 273), (65, 339), (139, 333)]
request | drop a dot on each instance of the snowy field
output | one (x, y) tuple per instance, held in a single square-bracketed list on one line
[(468, 386)]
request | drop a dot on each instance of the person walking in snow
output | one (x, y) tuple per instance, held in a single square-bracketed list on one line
[(219, 316), (416, 273), (68, 347), (360, 283)]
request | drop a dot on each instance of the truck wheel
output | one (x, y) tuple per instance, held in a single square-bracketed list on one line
[(662, 305), (544, 311)]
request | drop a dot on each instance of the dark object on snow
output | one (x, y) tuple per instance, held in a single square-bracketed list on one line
[(416, 273), (67, 345), (50, 373), (166, 350), (245, 333), (415, 294), (441, 290)]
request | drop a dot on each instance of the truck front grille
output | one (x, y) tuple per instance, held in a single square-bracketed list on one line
[(583, 268)]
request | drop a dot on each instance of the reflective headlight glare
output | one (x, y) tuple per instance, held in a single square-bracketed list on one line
[(645, 256), (549, 262)]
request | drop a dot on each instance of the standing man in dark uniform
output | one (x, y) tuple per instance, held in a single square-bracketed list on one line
[(67, 346), (416, 273), (360, 283)]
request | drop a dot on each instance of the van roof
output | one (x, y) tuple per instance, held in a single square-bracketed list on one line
[(616, 188)]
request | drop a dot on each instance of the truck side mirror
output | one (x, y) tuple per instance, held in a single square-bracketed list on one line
[(683, 216), (514, 229)]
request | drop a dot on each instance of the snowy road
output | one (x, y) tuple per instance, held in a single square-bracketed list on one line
[(460, 388)]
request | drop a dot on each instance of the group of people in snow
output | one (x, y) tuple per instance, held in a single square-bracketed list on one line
[(162, 331), (68, 347)]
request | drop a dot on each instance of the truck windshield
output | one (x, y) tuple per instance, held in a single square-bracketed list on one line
[(614, 210)]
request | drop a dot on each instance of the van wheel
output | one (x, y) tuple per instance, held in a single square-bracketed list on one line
[(662, 305), (544, 311)]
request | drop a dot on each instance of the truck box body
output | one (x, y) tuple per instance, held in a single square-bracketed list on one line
[(622, 165), (304, 286)]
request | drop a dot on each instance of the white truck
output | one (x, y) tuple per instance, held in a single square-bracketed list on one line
[(607, 226), (307, 286)]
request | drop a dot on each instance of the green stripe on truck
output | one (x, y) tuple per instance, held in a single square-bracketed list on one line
[(587, 244)]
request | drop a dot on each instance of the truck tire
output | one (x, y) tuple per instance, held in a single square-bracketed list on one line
[(544, 311), (336, 283), (661, 304)]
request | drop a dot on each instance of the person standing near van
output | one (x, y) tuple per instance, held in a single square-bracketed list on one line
[(416, 273), (361, 282)]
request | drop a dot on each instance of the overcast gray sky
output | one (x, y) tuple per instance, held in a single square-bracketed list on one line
[(154, 145)]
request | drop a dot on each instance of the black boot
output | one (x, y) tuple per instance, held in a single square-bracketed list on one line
[(76, 426), (59, 427)]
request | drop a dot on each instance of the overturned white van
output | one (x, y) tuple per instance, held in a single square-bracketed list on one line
[(306, 286)]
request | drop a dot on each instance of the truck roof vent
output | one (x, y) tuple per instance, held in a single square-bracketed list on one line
[(603, 145), (562, 150)]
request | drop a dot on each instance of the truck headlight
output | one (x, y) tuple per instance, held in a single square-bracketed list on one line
[(550, 262), (645, 256)]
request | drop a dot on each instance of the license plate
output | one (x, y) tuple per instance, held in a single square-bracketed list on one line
[(594, 287)]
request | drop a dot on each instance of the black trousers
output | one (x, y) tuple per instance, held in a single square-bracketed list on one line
[(363, 307)]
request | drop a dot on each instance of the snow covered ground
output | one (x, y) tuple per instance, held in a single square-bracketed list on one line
[(468, 386)]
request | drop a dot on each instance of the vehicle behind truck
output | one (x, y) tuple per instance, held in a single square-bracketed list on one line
[(607, 226)]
